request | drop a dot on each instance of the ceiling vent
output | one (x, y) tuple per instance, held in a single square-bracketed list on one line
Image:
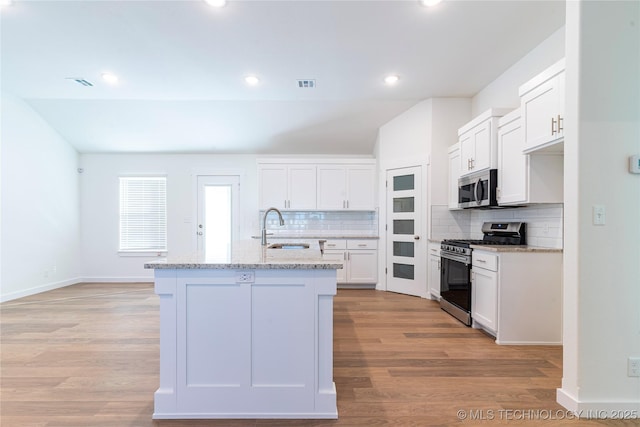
[(306, 84), (78, 80)]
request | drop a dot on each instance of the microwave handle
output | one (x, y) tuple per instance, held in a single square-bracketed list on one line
[(479, 191)]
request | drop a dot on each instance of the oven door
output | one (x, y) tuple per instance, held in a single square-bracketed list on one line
[(455, 286)]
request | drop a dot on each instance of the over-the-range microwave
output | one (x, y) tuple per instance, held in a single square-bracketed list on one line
[(478, 190)]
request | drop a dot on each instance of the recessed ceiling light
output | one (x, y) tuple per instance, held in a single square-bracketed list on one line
[(429, 3), (216, 3), (110, 78), (391, 79), (252, 80)]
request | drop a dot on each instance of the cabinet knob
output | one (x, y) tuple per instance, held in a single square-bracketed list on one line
[(416, 237)]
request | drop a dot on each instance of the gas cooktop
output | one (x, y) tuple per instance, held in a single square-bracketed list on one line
[(494, 233)]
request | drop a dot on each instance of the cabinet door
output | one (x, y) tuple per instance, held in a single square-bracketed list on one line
[(540, 110), (361, 185), (485, 298), (467, 152), (434, 277), (272, 184), (332, 187), (339, 257), (512, 164), (481, 147), (301, 181), (363, 266), (454, 174)]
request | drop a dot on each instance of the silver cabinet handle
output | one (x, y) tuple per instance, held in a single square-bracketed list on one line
[(560, 128), (553, 126)]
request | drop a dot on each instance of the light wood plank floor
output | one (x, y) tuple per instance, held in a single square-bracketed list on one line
[(87, 355)]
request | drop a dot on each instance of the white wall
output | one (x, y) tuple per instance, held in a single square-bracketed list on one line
[(503, 91), (40, 205), (100, 192), (602, 263)]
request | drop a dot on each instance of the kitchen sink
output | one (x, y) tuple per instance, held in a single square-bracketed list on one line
[(288, 246)]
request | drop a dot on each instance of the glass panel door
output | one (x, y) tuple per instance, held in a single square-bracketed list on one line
[(406, 253), (217, 225)]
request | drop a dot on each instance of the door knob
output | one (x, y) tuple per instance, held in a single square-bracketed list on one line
[(416, 237), (200, 233)]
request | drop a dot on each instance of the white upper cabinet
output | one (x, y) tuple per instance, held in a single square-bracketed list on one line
[(525, 178), (478, 142), (346, 187), (542, 106), (309, 185), (512, 164), (454, 174), (287, 186)]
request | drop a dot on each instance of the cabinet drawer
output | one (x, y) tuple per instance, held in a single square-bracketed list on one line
[(484, 260), (362, 244), (335, 244)]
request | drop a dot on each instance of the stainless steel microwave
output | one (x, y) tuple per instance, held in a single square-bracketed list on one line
[(478, 190)]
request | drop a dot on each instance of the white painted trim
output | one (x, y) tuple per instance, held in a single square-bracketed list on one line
[(40, 289), (139, 279), (598, 409), (340, 160)]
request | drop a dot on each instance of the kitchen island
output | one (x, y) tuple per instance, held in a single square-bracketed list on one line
[(250, 336)]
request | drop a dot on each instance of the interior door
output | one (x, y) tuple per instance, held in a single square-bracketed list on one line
[(218, 223), (406, 247)]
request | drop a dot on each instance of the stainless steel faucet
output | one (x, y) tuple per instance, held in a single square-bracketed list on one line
[(264, 223)]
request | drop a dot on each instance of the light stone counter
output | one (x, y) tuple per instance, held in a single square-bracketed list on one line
[(514, 248), (251, 255)]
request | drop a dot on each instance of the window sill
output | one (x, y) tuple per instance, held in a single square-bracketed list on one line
[(146, 254)]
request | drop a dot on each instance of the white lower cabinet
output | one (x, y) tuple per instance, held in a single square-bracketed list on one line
[(484, 290), (517, 295), (359, 258), (434, 271)]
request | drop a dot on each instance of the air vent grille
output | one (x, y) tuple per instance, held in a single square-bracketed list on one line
[(81, 81), (306, 84)]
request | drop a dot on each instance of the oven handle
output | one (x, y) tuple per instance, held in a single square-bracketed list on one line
[(460, 258)]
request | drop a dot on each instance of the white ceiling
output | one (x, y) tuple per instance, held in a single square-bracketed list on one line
[(181, 66)]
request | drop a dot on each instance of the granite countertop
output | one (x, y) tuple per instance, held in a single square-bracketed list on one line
[(514, 248), (319, 236), (250, 254)]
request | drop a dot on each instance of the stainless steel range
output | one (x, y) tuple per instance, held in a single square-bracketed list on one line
[(455, 271)]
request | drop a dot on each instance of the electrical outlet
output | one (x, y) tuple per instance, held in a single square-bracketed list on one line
[(245, 277), (633, 367)]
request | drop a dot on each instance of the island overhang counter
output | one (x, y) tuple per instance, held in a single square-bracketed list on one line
[(250, 336)]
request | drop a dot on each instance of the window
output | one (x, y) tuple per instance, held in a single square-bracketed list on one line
[(143, 214)]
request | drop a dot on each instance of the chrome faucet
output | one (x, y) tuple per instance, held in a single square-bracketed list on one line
[(264, 223)]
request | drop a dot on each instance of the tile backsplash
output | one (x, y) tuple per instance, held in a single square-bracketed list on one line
[(302, 223), (544, 223)]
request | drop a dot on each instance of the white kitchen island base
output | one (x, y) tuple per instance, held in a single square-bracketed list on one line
[(240, 343)]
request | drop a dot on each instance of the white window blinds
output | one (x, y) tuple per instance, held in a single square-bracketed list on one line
[(143, 214)]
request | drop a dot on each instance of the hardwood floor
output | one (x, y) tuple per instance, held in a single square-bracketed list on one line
[(87, 355)]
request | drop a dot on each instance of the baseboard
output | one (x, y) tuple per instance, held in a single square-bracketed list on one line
[(39, 289), (598, 410), (143, 279)]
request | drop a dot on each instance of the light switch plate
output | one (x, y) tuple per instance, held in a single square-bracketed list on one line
[(599, 215), (634, 163)]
